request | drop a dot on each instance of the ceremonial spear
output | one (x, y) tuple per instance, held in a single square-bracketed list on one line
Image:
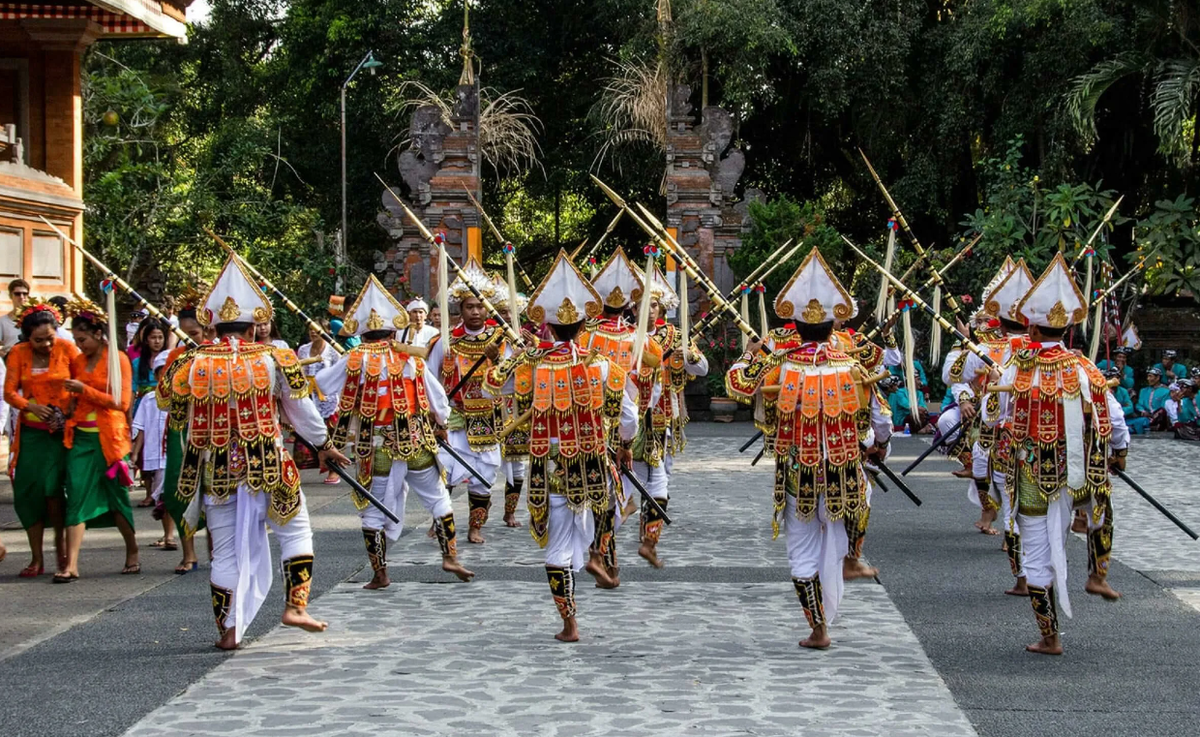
[(756, 277), (308, 321), (510, 256), (142, 302)]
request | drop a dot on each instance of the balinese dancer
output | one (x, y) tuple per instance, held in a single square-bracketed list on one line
[(573, 396), (814, 397), (615, 338), (235, 469), (1063, 430), (474, 418), (958, 446), (999, 300), (514, 447), (38, 366), (661, 430), (390, 408), (97, 436)]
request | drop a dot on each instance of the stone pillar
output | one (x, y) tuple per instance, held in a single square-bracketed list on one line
[(441, 164)]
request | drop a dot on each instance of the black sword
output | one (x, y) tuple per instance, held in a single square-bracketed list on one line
[(352, 481), (1156, 504), (454, 454), (645, 494), (896, 480), (932, 447)]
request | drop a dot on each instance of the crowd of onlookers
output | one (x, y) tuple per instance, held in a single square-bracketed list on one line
[(1165, 401)]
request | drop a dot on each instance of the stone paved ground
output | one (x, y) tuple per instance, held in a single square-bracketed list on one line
[(705, 646)]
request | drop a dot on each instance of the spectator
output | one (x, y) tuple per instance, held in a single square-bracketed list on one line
[(148, 453), (1151, 401), (1187, 426), (131, 328), (901, 407), (1172, 370), (1120, 361), (315, 355), (10, 333), (266, 333), (418, 332)]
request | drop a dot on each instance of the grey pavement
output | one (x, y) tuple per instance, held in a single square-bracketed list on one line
[(706, 645)]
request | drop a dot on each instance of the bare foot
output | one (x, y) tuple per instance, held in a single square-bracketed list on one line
[(596, 568), (650, 553), (297, 617), (1098, 586), (818, 640), (1019, 589), (1079, 524), (853, 568), (227, 641), (1046, 646), (451, 565), (962, 473), (379, 581), (432, 531), (475, 535), (570, 631), (510, 520)]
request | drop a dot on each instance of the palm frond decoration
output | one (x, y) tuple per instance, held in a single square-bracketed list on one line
[(632, 109), (508, 127), (1174, 103), (1087, 89)]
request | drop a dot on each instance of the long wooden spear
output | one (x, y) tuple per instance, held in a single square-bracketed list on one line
[(142, 302), (503, 242)]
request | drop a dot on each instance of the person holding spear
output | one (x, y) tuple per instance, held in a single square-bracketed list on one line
[(390, 408), (577, 395), (235, 395)]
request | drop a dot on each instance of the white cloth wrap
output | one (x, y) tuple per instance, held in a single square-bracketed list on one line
[(817, 546)]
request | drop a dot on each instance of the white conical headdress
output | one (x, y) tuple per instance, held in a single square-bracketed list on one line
[(235, 297), (374, 309), (618, 282), (477, 277), (661, 290), (1001, 300), (1005, 269), (814, 295), (564, 297), (500, 301), (1054, 301)]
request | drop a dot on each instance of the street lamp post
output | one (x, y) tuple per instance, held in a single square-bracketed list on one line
[(368, 62)]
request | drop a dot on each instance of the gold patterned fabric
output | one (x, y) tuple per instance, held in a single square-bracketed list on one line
[(572, 403), (378, 401), (481, 416), (668, 413), (223, 394)]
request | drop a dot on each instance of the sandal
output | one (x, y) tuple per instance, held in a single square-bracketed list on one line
[(30, 571), (65, 578), (161, 543), (332, 480), (131, 569), (170, 546), (146, 503), (183, 568)]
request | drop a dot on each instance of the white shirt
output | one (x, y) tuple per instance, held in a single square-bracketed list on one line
[(332, 380), (421, 337)]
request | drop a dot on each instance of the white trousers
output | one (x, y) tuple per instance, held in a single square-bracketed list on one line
[(570, 535), (157, 479), (979, 470), (241, 555), (1044, 548), (817, 546), (947, 420), (655, 479), (392, 490), (514, 469), (486, 462)]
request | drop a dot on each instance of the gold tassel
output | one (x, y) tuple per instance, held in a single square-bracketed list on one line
[(115, 385), (935, 337), (883, 283)]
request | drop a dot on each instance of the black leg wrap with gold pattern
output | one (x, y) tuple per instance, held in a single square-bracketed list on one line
[(1013, 541), (652, 521), (297, 576), (376, 543), (1044, 609), (222, 604), (808, 590), (562, 588), (479, 506), (602, 539), (443, 527), (512, 496), (1100, 543), (983, 487), (856, 530)]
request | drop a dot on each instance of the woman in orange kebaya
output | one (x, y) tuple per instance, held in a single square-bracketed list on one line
[(37, 368), (97, 437)]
